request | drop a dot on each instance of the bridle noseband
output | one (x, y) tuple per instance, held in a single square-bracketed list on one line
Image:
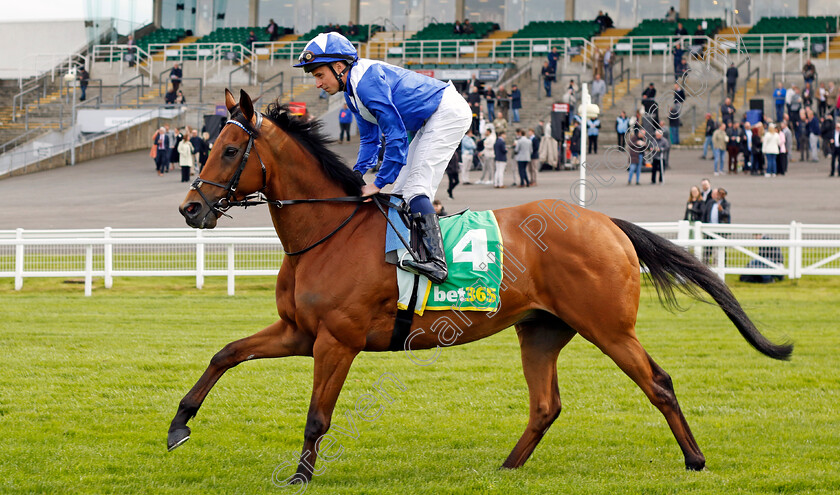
[(223, 204)]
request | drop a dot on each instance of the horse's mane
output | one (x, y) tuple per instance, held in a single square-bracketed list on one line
[(311, 135)]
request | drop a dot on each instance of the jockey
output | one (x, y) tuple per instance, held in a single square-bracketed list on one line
[(394, 101)]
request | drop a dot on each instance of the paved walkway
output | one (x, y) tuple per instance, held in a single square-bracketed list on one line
[(124, 191)]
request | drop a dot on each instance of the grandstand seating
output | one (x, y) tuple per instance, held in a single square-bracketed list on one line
[(786, 26), (661, 30), (362, 37), (235, 35), (445, 31), (519, 47), (159, 36)]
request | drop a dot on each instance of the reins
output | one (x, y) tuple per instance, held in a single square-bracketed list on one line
[(220, 206)]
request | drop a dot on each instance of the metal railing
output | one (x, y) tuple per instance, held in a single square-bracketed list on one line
[(128, 88), (792, 250), (246, 67), (274, 86)]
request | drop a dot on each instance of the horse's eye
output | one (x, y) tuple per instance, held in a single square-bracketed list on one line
[(231, 151)]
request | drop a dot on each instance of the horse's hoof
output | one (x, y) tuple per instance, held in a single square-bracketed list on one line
[(177, 437), (697, 465)]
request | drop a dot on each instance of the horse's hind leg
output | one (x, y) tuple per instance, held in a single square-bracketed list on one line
[(540, 342), (630, 356), (277, 340)]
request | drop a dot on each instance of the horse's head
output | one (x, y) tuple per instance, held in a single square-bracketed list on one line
[(233, 169)]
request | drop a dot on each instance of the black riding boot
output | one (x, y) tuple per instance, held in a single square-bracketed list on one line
[(434, 266)]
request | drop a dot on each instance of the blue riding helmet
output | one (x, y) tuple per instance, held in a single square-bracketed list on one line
[(326, 48)]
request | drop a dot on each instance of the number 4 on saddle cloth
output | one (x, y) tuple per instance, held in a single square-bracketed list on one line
[(474, 256)]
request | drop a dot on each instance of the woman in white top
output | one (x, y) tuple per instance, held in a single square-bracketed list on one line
[(770, 148), (185, 158)]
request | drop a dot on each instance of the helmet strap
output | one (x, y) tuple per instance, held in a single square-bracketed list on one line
[(338, 75)]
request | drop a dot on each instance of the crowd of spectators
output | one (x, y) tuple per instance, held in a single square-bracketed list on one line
[(182, 147)]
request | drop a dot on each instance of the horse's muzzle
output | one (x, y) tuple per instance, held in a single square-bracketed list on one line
[(198, 215)]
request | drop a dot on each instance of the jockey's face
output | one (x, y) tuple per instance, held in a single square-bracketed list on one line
[(325, 79)]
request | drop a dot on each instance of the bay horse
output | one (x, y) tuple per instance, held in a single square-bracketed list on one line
[(579, 273)]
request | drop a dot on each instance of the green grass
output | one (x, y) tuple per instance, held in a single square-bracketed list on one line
[(89, 386)]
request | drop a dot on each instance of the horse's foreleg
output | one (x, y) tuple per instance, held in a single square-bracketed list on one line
[(277, 340), (540, 343), (332, 362), (631, 357)]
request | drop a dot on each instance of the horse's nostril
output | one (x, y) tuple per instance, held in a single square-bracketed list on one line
[(192, 208)]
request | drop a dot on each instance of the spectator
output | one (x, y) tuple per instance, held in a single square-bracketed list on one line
[(672, 15), (826, 130), (822, 100), (345, 119), (678, 53), (175, 76), (273, 30), (593, 127), (439, 209), (533, 164), (717, 210), (352, 29), (710, 129), (608, 66), (161, 147), (622, 124), (83, 77), (500, 156), (770, 148), (574, 141), (719, 141), (131, 51), (252, 38), (467, 27), (490, 96), (522, 150), (553, 57), (757, 162), (500, 124), (457, 28), (503, 100), (180, 99), (198, 145), (807, 96), (185, 158), (731, 79), (488, 157), (694, 205), (706, 191), (699, 36), (597, 62), (474, 100), (834, 146), (661, 146), (174, 153), (452, 171), (599, 20), (746, 145), (649, 102), (169, 96), (802, 136), (608, 22), (515, 102), (785, 142), (733, 146), (666, 155), (809, 72), (680, 31), (674, 122), (727, 111), (172, 143), (598, 90), (813, 127), (636, 149), (547, 77), (779, 99), (468, 149), (679, 94)]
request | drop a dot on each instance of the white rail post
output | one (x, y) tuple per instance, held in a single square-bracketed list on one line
[(88, 270), (683, 230), (108, 259), (698, 234), (230, 268), (199, 259), (19, 259)]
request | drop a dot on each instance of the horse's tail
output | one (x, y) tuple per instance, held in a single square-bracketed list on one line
[(670, 267)]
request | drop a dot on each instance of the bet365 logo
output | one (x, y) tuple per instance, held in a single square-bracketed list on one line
[(480, 295)]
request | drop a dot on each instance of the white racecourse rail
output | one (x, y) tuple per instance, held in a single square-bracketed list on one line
[(791, 250)]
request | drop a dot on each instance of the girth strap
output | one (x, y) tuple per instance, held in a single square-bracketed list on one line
[(404, 319)]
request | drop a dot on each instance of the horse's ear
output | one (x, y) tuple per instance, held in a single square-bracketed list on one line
[(246, 105), (230, 103)]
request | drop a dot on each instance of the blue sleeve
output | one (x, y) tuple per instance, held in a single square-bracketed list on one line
[(375, 94), (369, 144)]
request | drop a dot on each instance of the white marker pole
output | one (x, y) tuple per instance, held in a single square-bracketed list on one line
[(585, 100)]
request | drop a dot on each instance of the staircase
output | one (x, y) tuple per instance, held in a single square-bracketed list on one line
[(833, 50), (486, 47)]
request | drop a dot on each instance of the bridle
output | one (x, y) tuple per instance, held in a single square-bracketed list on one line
[(223, 204)]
